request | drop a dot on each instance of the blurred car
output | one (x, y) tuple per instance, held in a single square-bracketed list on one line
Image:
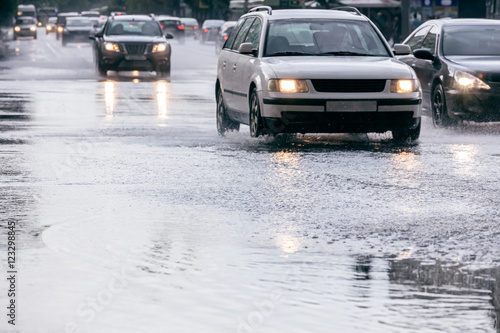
[(117, 13), (50, 27), (132, 42), (223, 35), (191, 26), (25, 26), (458, 64), (61, 22), (314, 71), (210, 30), (90, 14), (77, 30), (173, 26)]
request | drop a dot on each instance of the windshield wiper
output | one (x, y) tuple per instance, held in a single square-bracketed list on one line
[(349, 53), (287, 53)]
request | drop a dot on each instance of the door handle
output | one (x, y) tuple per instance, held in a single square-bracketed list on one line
[(234, 67), (224, 65)]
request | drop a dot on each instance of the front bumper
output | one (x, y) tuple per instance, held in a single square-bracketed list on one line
[(147, 62), (341, 116), (474, 105), (25, 32), (76, 37)]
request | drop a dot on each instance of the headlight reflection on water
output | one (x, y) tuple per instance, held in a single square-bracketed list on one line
[(109, 98), (161, 98)]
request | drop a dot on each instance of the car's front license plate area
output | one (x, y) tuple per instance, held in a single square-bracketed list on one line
[(135, 57), (351, 106)]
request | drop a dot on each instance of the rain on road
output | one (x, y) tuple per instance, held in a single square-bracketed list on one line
[(132, 215)]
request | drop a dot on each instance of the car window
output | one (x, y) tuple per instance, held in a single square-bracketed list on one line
[(323, 37), (242, 33), (232, 35), (253, 35), (78, 23), (471, 40), (430, 40), (416, 40), (122, 27), (170, 23)]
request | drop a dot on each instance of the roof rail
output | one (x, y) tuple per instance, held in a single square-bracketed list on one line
[(351, 9), (262, 8)]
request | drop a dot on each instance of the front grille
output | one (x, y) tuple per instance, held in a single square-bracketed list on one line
[(136, 48), (349, 86)]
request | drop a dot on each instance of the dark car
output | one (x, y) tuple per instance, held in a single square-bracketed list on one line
[(174, 26), (458, 64), (223, 35), (25, 26), (77, 30), (210, 30), (191, 26), (61, 22), (132, 42)]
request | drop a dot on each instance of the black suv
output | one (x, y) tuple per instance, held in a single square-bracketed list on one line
[(132, 42)]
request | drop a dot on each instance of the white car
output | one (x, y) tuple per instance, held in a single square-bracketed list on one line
[(315, 71)]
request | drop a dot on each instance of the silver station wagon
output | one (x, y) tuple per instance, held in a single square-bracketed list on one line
[(315, 71)]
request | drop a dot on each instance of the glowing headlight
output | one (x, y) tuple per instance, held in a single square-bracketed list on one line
[(111, 47), (466, 80), (33, 28), (60, 29), (17, 29), (48, 27), (404, 86), (287, 85), (162, 47)]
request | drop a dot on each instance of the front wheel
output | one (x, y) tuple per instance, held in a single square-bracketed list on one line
[(256, 123), (407, 135), (224, 123), (440, 117)]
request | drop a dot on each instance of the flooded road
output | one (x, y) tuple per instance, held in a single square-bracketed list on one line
[(132, 215)]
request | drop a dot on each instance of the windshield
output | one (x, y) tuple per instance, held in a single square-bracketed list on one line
[(146, 28), (212, 24), (25, 21), (471, 40), (78, 23), (323, 37)]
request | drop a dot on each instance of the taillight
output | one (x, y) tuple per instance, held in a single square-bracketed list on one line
[(206, 30), (180, 27), (226, 37), (196, 27), (162, 26)]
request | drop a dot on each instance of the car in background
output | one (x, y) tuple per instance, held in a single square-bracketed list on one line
[(191, 26), (314, 71), (77, 30), (50, 27), (132, 43), (90, 14), (210, 30), (25, 26), (61, 22), (458, 64), (173, 26), (223, 35)]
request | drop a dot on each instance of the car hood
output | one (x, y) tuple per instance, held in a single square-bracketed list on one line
[(477, 63), (135, 39), (326, 67)]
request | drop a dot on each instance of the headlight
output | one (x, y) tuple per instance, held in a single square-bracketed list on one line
[(48, 27), (17, 29), (60, 29), (287, 85), (162, 47), (466, 80), (111, 47), (404, 86), (33, 28)]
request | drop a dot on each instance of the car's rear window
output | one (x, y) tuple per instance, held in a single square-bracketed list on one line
[(190, 21), (170, 23), (78, 23), (323, 37), (136, 27), (471, 40)]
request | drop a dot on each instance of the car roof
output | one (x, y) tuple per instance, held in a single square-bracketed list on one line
[(132, 17), (166, 17), (78, 18), (281, 14), (462, 21)]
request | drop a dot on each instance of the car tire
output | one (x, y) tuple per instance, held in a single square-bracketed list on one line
[(64, 42), (440, 117), (407, 135), (224, 123), (101, 70), (255, 121), (14, 38), (34, 37)]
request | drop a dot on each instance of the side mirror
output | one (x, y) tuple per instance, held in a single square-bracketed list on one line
[(246, 48), (169, 36), (423, 54), (92, 37), (402, 49)]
